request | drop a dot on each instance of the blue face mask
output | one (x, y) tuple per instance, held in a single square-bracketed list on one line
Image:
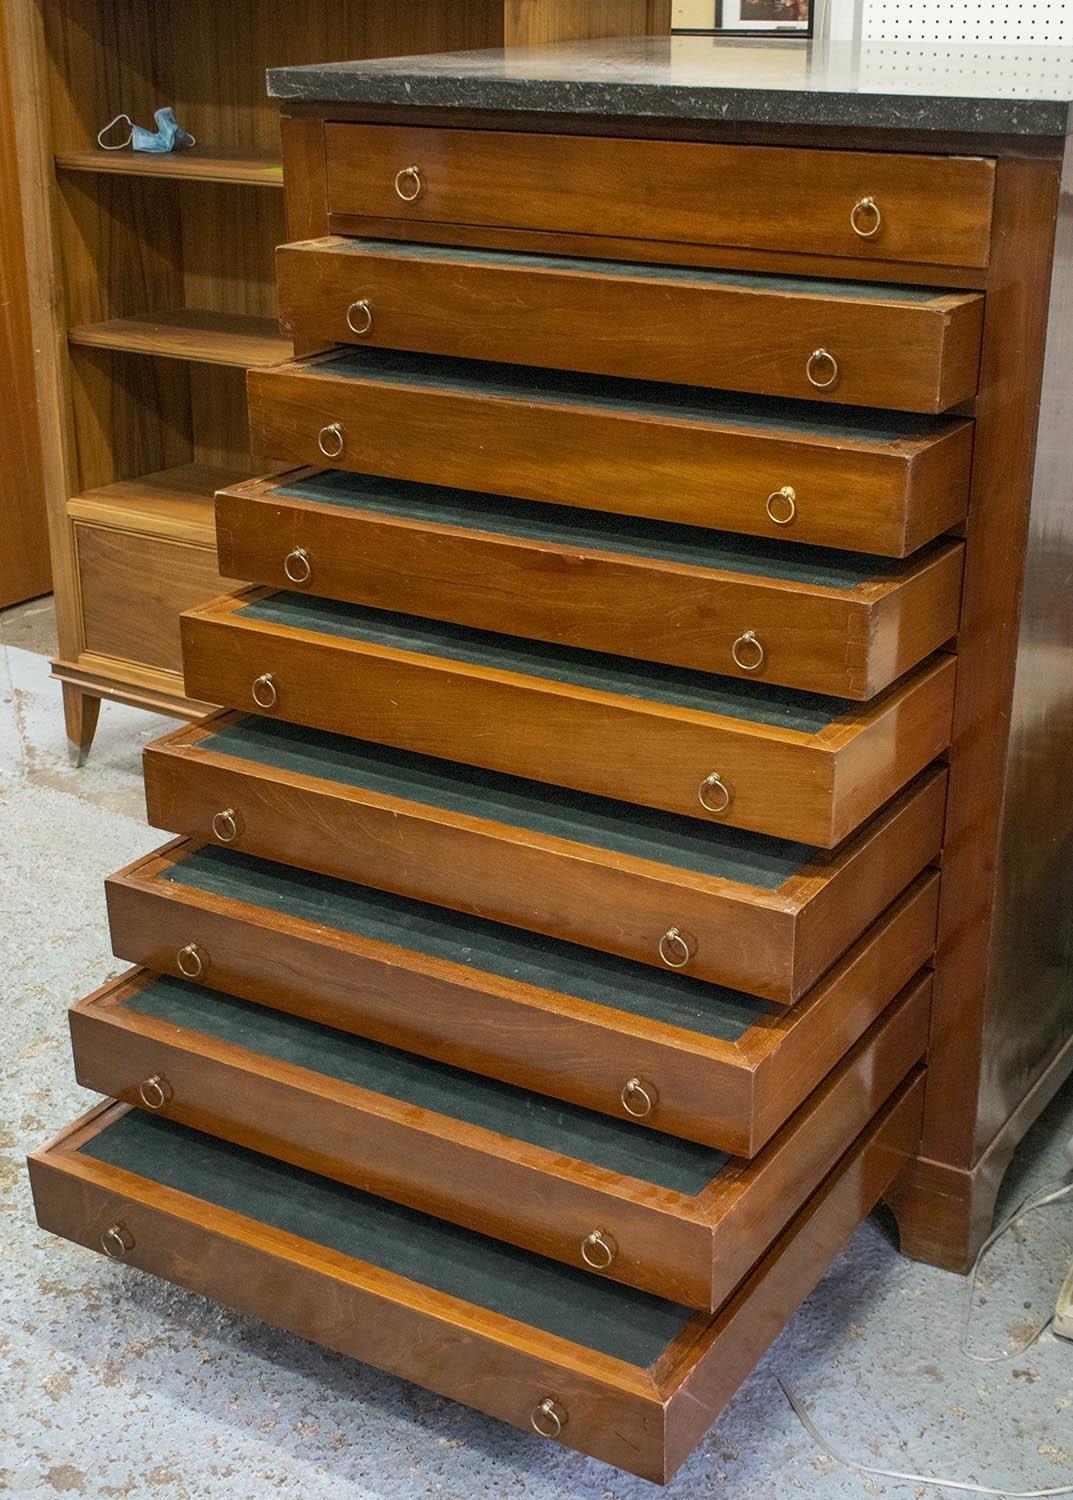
[(169, 135)]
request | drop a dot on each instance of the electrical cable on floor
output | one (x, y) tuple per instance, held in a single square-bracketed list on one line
[(1053, 1193)]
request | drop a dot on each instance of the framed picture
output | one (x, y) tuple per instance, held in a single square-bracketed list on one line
[(744, 17)]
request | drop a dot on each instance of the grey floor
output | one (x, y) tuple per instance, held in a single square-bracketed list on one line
[(112, 1384)]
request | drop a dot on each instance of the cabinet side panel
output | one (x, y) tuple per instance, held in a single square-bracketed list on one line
[(1029, 1011)]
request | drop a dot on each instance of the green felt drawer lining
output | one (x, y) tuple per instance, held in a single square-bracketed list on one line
[(641, 398), (567, 1129), (491, 947), (568, 526), (861, 291), (628, 1325), (707, 849), (758, 702)]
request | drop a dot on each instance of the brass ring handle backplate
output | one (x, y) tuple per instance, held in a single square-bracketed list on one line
[(153, 1092), (359, 316), (598, 1250), (225, 825), (638, 1099), (264, 691), (547, 1418), (748, 652), (821, 359), (674, 950), (117, 1242), (713, 794), (191, 961), (330, 440), (411, 177), (296, 565), (865, 218), (782, 505)]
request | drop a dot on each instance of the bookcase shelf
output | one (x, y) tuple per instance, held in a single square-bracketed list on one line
[(197, 334), (199, 164)]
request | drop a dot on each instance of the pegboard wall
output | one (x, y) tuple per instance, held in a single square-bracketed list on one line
[(1008, 23)]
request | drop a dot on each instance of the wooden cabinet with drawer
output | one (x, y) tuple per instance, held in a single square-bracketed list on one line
[(606, 1369), (716, 1066), (845, 624), (923, 210), (684, 1222), (795, 765), (600, 839), (753, 913), (909, 348), (867, 481)]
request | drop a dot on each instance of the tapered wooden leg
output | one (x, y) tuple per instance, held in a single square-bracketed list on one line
[(81, 712)]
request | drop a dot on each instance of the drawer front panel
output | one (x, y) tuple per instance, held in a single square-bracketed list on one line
[(886, 497), (713, 1065), (614, 1411), (931, 210), (815, 786), (910, 350), (772, 940), (573, 581), (134, 588), (690, 1244)]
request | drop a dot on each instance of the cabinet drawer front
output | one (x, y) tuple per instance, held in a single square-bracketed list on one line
[(842, 624), (799, 767), (931, 210), (717, 1066), (133, 590), (238, 1227), (910, 349), (882, 482), (279, 1244), (649, 1210), (753, 914)]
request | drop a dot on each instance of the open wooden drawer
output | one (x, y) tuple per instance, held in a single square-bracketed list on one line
[(909, 348), (603, 1368), (740, 909), (654, 1211), (928, 210), (712, 1065), (754, 755), (861, 480), (842, 623)]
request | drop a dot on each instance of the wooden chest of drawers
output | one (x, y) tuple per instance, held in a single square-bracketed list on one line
[(571, 908)]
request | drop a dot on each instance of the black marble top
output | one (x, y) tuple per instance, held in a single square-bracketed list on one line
[(981, 89)]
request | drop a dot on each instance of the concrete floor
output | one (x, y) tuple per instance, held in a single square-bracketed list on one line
[(113, 1384)]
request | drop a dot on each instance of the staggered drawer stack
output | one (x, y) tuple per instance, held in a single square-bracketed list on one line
[(537, 993)]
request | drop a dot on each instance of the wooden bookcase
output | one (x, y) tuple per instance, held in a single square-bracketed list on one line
[(152, 286)]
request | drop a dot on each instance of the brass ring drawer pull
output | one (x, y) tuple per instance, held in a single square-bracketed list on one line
[(598, 1250), (672, 941), (782, 505), (638, 1099), (264, 691), (865, 218), (747, 651), (364, 313), (411, 176), (713, 794), (547, 1418), (817, 360), (153, 1092), (330, 440), (117, 1242), (192, 961), (296, 565), (225, 825)]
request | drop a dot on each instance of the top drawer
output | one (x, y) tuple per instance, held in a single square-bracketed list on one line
[(861, 205)]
